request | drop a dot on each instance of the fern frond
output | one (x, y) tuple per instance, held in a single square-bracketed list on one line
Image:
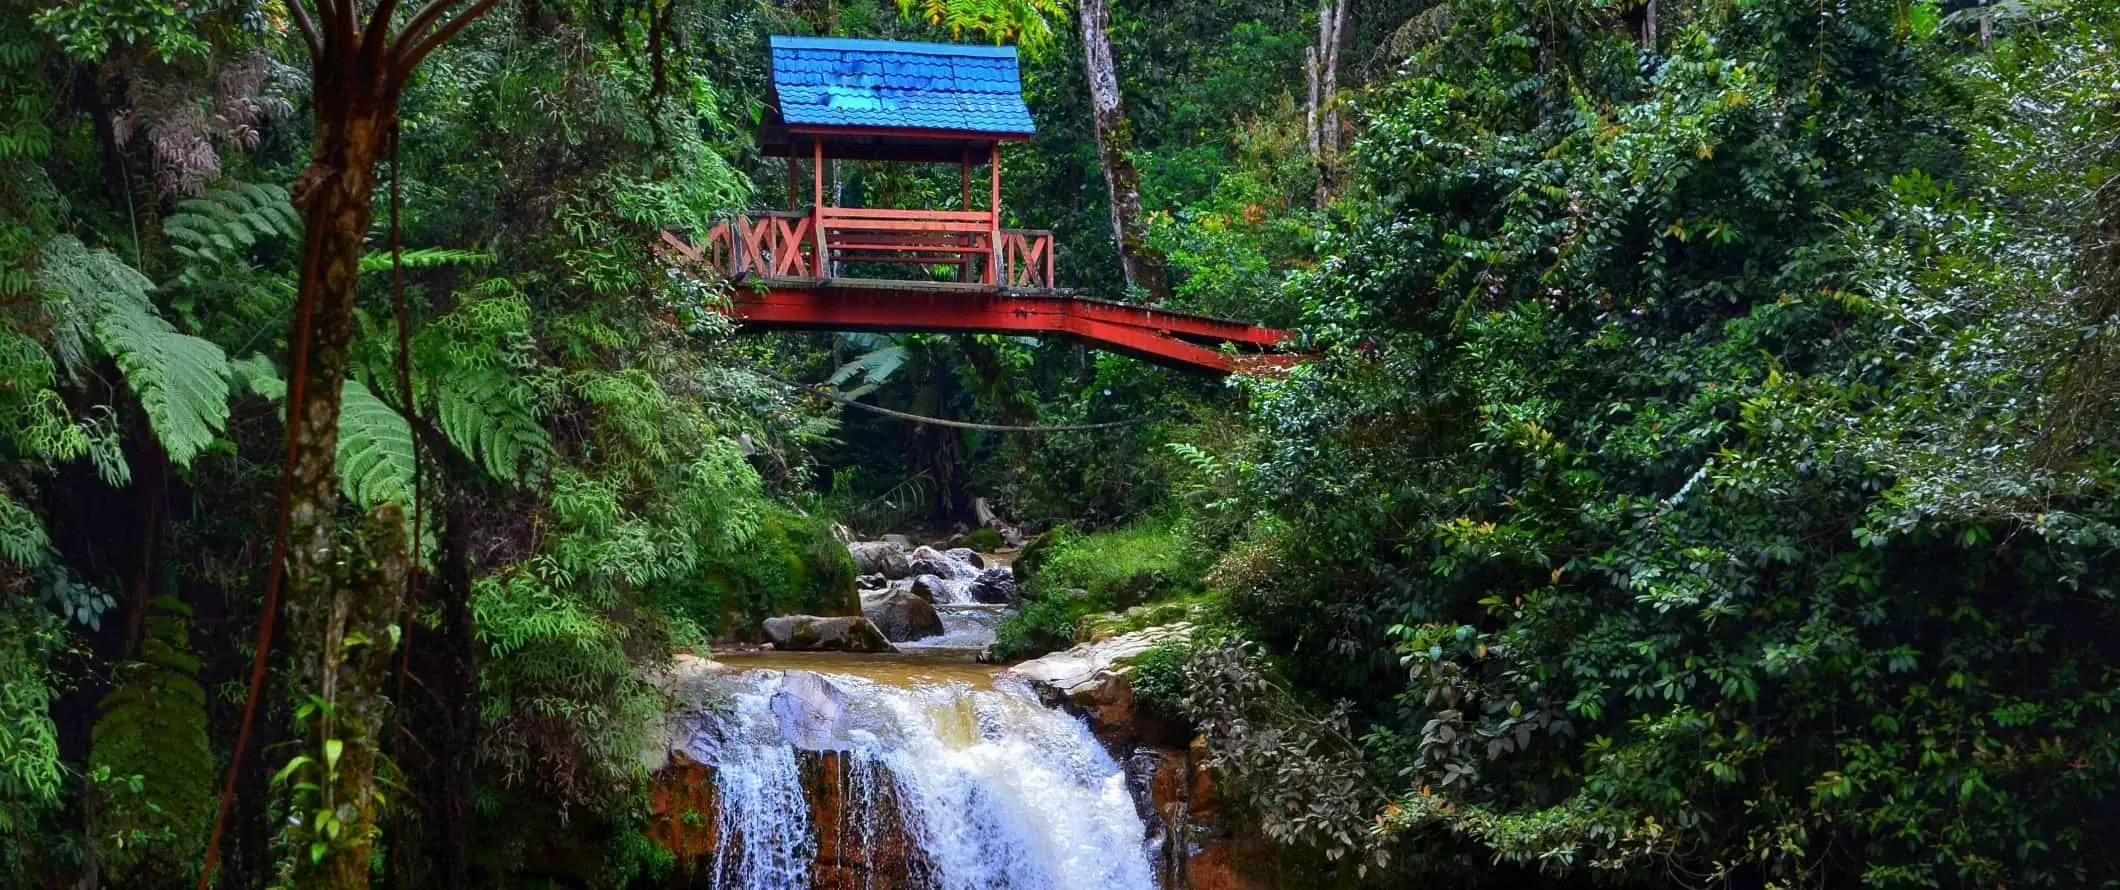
[(875, 366), (375, 457), (221, 225), (425, 258), (486, 416), (375, 450), (181, 381)]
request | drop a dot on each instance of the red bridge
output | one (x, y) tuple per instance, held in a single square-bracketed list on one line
[(829, 268)]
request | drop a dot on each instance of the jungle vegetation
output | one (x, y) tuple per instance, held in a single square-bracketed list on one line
[(1704, 468)]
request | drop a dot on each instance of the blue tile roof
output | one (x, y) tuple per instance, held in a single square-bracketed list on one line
[(825, 81)]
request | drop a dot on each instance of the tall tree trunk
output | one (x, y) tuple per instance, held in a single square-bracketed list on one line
[(340, 612), (1322, 114), (1143, 265), (341, 604)]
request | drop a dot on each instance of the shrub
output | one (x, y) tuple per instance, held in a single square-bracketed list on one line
[(984, 540), (1158, 678), (1042, 625)]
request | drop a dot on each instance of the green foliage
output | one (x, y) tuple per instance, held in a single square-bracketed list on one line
[(1043, 623), (424, 258), (1143, 562), (1025, 22), (1157, 678), (1690, 485), (152, 729), (984, 540), (792, 566), (1067, 575), (31, 776), (22, 538), (180, 380), (486, 416), (89, 30)]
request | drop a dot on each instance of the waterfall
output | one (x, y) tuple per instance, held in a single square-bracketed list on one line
[(837, 782)]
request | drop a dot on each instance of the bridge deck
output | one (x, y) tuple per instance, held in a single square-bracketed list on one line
[(859, 304)]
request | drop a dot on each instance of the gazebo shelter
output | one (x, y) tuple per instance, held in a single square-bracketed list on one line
[(933, 103), (883, 100)]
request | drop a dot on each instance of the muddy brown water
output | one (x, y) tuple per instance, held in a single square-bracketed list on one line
[(894, 669)]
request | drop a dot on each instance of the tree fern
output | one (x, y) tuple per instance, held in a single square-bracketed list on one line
[(181, 381), (875, 367), (219, 226)]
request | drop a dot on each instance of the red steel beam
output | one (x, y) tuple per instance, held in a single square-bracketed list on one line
[(1148, 333)]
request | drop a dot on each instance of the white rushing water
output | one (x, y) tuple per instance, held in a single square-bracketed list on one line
[(966, 629), (988, 789)]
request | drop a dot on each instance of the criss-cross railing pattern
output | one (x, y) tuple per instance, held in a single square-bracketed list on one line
[(1027, 259), (786, 244), (767, 244)]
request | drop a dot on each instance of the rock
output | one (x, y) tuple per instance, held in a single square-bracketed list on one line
[(694, 686), (1092, 678), (901, 615), (879, 558), (872, 582), (929, 561), (899, 541), (996, 585), (811, 711), (937, 590), (966, 555), (809, 633)]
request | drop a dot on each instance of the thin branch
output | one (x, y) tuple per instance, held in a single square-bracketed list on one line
[(442, 35), (341, 27), (408, 38), (299, 11), (373, 41)]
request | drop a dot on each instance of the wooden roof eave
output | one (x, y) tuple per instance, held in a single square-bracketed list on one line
[(879, 143)]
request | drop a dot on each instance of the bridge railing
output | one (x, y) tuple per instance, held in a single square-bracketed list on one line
[(766, 243), (1027, 259), (788, 243)]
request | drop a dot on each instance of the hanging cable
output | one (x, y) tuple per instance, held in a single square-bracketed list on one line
[(829, 395)]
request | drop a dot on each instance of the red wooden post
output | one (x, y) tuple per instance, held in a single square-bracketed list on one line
[(1049, 262), (964, 170), (993, 270), (823, 267)]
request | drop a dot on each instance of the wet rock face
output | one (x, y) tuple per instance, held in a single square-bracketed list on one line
[(1192, 838), (902, 616), (1092, 679), (809, 633), (860, 841)]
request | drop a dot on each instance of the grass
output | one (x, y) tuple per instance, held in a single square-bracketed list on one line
[(1068, 575)]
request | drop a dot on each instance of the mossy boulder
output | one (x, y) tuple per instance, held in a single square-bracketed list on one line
[(793, 565), (811, 633)]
